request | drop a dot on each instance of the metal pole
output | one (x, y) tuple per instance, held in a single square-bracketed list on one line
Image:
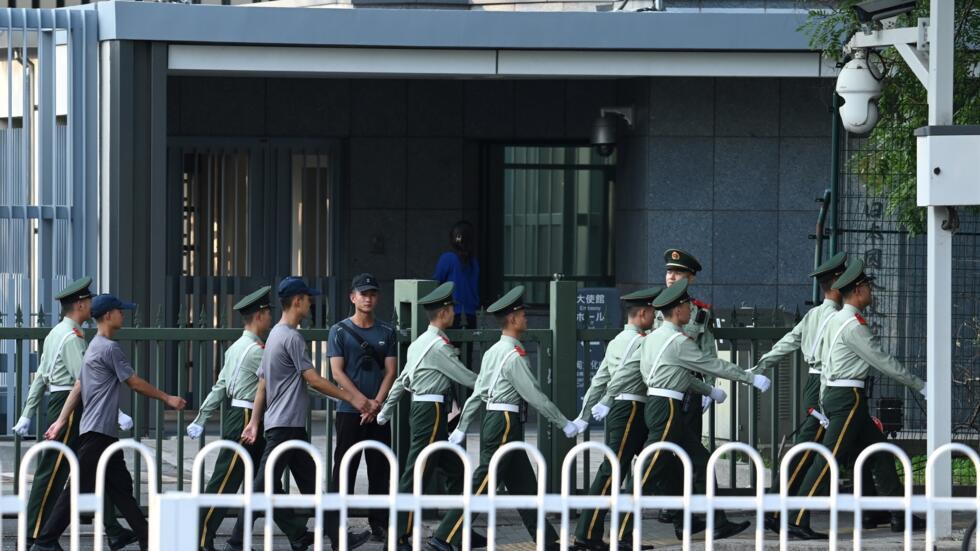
[(835, 144), (939, 272)]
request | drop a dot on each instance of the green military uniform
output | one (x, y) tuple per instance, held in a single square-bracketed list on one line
[(432, 365), (850, 351), (669, 362), (618, 386), (58, 369), (505, 380), (806, 337), (235, 390)]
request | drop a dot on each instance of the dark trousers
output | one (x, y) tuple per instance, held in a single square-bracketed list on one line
[(52, 474), (291, 521), (851, 430), (514, 472), (229, 473), (350, 431), (118, 487), (428, 425), (626, 431)]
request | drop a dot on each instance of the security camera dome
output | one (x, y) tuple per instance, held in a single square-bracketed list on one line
[(859, 88), (604, 135)]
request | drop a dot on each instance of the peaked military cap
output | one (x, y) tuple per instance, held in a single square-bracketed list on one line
[(258, 300), (643, 297), (833, 266), (852, 276), (439, 297), (76, 290), (510, 302), (676, 258), (672, 296)]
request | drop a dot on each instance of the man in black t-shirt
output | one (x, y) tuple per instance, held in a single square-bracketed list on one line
[(362, 355)]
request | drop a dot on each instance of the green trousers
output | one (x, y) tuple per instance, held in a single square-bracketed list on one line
[(851, 430), (626, 432), (810, 431), (229, 472), (428, 424), (51, 474), (515, 473)]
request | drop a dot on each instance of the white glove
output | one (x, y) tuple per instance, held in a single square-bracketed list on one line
[(457, 437), (23, 426), (570, 429), (125, 421), (580, 425), (718, 395), (195, 431), (381, 419), (924, 391), (824, 421), (705, 403), (600, 411), (761, 382)]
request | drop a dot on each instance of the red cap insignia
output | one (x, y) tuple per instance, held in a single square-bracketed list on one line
[(520, 351), (78, 333), (860, 319)]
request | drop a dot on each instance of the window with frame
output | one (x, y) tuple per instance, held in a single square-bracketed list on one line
[(557, 210)]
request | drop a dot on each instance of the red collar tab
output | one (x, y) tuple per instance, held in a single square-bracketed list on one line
[(702, 305), (860, 319), (520, 351), (77, 332), (262, 346), (445, 340)]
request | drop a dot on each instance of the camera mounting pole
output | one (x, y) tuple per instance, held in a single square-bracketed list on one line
[(928, 51)]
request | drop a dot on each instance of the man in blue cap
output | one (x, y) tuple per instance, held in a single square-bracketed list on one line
[(282, 405), (104, 368)]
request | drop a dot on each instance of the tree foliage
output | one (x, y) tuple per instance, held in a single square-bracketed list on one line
[(886, 163)]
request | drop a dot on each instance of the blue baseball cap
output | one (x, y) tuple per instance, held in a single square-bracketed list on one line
[(105, 302), (292, 285)]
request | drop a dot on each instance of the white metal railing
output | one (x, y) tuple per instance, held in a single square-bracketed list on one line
[(173, 514)]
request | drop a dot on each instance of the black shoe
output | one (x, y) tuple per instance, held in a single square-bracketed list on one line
[(796, 531), (37, 546), (477, 540), (355, 539), (436, 544), (728, 529), (125, 538), (898, 523), (403, 546), (628, 545), (665, 516), (874, 519), (378, 532), (303, 542), (590, 545), (771, 522), (697, 526)]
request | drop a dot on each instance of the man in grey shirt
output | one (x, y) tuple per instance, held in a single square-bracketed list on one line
[(282, 404), (104, 367)]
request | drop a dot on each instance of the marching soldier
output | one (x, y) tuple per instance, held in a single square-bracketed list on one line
[(617, 395), (97, 388), (58, 369), (431, 367), (806, 336), (683, 266), (669, 359), (849, 351), (235, 388), (505, 380)]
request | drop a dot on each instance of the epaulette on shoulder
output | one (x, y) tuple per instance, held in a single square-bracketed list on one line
[(78, 332), (860, 319), (445, 340), (520, 351), (702, 305)]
